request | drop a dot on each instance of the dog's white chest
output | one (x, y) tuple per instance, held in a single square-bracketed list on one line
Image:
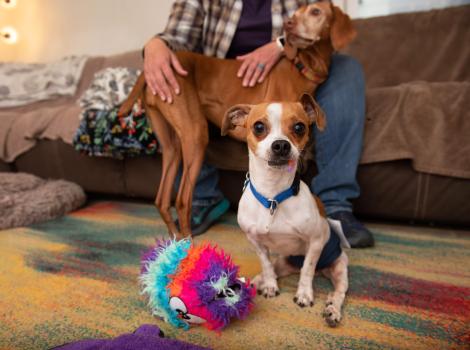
[(293, 223), (284, 244)]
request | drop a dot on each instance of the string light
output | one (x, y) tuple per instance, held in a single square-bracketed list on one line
[(8, 35), (8, 3)]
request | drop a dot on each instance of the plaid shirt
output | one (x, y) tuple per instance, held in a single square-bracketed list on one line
[(208, 26)]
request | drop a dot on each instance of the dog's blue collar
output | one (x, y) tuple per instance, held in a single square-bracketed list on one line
[(272, 203)]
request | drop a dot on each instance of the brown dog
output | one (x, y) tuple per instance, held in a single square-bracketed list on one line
[(211, 87)]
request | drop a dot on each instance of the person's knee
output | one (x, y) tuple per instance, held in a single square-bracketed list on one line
[(345, 80), (342, 96), (347, 68)]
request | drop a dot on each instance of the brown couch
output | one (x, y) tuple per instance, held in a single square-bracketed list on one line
[(416, 161)]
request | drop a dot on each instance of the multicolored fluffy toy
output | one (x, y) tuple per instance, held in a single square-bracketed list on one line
[(194, 284)]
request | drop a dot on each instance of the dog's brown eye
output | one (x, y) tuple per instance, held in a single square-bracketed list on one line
[(315, 12), (259, 128), (299, 129)]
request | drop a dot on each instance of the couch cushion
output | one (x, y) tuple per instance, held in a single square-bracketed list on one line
[(431, 45), (393, 190), (425, 122), (130, 59), (57, 160), (4, 167), (226, 153)]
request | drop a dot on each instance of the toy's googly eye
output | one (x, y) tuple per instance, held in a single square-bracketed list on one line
[(179, 306), (194, 319)]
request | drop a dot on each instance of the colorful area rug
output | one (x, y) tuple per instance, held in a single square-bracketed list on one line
[(76, 277)]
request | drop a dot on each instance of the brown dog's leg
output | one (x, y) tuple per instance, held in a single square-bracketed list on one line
[(190, 125), (338, 273), (193, 146), (171, 158)]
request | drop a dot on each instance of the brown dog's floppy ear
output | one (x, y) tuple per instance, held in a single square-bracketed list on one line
[(313, 110), (235, 116), (342, 30)]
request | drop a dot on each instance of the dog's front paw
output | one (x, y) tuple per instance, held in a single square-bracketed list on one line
[(267, 288), (331, 314), (304, 298), (269, 291)]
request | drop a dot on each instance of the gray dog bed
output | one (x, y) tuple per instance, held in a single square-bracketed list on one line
[(26, 199)]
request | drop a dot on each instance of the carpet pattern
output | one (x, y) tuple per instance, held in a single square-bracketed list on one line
[(76, 277)]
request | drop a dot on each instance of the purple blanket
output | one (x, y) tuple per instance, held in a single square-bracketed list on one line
[(146, 337)]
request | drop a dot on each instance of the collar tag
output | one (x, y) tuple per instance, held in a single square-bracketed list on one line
[(272, 206), (246, 182)]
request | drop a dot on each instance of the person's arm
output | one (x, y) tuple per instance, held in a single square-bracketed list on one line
[(182, 32)]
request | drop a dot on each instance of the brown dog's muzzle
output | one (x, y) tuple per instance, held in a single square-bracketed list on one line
[(289, 24)]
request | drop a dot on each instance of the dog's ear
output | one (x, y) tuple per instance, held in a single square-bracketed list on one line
[(313, 110), (342, 29), (235, 116)]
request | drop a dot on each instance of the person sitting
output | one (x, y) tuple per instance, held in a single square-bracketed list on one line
[(247, 31)]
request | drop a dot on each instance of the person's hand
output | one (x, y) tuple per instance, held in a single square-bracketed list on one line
[(159, 63), (257, 64)]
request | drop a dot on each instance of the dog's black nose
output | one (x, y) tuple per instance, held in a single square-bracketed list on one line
[(281, 148)]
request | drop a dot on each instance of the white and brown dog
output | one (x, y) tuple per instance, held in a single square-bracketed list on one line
[(278, 212)]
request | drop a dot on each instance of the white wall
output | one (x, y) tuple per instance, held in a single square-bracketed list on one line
[(50, 29), (372, 8)]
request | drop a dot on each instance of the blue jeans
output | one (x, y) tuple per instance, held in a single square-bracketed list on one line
[(338, 147)]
